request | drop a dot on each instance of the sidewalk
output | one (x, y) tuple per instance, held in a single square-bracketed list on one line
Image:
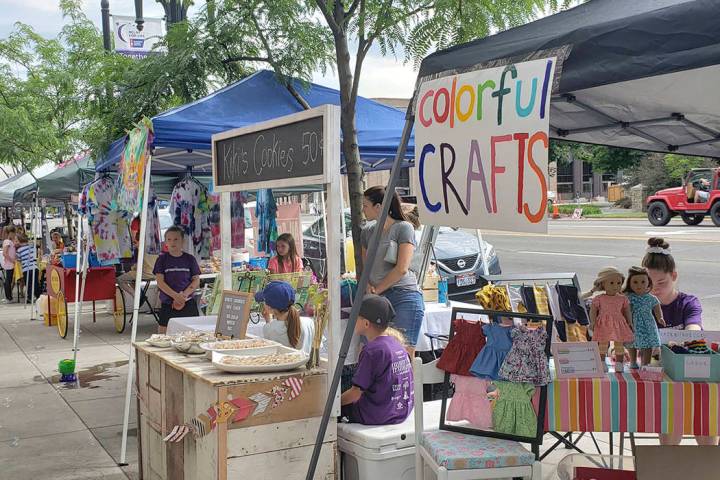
[(49, 430)]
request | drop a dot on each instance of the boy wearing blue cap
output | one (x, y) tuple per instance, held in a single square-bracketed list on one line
[(284, 323), (382, 391)]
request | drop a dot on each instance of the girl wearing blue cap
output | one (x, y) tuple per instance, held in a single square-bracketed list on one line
[(284, 323)]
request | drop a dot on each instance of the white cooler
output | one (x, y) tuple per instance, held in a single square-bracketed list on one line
[(386, 451)]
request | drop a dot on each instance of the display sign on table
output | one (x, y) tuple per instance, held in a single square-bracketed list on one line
[(577, 360), (290, 149), (481, 148), (232, 321), (668, 335)]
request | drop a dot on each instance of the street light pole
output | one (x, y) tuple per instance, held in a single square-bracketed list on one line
[(139, 20), (105, 12)]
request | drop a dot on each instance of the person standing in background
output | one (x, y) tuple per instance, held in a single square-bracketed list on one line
[(8, 260)]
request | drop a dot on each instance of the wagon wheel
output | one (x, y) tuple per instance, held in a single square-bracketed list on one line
[(119, 312), (61, 314)]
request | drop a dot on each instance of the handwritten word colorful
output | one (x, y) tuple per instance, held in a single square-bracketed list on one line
[(482, 147)]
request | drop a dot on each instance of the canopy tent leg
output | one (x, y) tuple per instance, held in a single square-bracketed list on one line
[(136, 309), (79, 302), (361, 289), (78, 259)]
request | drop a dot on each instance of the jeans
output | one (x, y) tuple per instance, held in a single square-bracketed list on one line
[(409, 312), (32, 285)]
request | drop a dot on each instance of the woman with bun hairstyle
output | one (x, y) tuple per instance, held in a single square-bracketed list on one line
[(680, 310)]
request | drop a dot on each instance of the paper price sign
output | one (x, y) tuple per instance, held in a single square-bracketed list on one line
[(697, 366), (577, 360), (234, 314)]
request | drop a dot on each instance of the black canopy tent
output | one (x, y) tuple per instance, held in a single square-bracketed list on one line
[(640, 74)]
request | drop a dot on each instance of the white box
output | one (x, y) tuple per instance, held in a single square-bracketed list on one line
[(383, 451)]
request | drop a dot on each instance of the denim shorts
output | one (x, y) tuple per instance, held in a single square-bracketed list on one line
[(409, 312)]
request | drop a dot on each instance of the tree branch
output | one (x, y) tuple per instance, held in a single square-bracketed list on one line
[(245, 59), (334, 27), (351, 11)]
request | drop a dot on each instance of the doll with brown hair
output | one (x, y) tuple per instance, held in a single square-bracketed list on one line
[(610, 318), (646, 315)]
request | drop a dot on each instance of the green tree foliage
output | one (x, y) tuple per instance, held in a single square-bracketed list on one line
[(657, 171), (602, 158)]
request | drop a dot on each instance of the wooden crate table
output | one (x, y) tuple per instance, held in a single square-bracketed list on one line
[(253, 426)]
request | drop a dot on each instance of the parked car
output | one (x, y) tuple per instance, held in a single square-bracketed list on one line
[(457, 253), (698, 196)]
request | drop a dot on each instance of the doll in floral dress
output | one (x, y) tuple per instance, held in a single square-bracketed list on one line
[(610, 318), (646, 315)]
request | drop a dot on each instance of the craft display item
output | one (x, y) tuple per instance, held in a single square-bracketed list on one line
[(610, 318), (646, 316), (66, 367), (189, 342), (242, 344), (262, 360), (159, 340)]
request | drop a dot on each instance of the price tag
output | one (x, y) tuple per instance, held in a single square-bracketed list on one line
[(234, 314), (697, 366), (577, 360)]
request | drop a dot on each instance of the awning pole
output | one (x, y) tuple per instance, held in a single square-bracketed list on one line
[(136, 309), (361, 289)]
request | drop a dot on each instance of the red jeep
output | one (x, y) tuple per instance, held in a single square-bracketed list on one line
[(699, 196)]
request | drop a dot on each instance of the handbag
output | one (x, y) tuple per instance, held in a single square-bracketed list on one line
[(392, 252)]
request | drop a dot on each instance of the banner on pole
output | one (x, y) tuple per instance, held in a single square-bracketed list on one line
[(481, 147), (134, 43)]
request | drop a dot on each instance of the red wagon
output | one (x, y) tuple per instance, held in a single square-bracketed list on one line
[(100, 285)]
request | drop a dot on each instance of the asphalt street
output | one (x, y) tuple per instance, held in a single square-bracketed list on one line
[(586, 246)]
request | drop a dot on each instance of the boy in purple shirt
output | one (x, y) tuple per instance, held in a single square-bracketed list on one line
[(178, 276), (382, 391)]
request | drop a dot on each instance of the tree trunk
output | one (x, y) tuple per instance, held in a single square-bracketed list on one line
[(350, 149)]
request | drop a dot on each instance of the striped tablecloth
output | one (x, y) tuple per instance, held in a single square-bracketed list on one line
[(626, 403)]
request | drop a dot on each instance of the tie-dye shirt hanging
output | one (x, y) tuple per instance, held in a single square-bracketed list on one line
[(237, 220), (131, 180), (152, 232), (266, 213), (110, 232), (189, 209)]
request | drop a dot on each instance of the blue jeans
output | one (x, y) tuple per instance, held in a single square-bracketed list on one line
[(409, 312)]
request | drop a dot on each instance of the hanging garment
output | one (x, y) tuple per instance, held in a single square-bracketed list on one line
[(464, 347), (491, 357), (237, 220), (189, 209), (528, 296), (513, 412), (266, 213), (110, 229), (570, 306), (470, 402), (559, 332), (214, 221), (516, 300), (152, 231), (493, 297), (527, 362), (541, 300)]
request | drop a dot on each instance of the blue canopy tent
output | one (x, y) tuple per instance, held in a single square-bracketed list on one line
[(183, 134)]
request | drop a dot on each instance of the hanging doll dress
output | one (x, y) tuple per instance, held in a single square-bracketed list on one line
[(465, 345), (513, 412), (491, 357), (470, 402), (610, 324), (646, 331), (527, 361)]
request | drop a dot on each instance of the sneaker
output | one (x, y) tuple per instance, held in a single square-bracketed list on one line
[(5, 301), (634, 366), (619, 367)]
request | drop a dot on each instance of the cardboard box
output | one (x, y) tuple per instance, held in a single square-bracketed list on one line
[(430, 295), (690, 367)]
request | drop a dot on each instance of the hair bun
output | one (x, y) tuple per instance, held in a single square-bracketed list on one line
[(658, 242)]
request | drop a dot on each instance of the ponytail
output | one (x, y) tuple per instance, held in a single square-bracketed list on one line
[(376, 195), (293, 326)]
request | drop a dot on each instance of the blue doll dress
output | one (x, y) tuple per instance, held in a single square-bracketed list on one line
[(491, 357)]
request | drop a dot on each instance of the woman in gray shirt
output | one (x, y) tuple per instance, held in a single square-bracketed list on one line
[(390, 274)]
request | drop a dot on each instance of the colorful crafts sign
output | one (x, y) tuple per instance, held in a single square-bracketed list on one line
[(132, 169), (481, 147)]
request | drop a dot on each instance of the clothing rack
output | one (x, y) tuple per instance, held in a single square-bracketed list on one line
[(567, 278), (495, 317)]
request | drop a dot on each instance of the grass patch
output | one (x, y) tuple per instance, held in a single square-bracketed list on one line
[(619, 215), (570, 208)]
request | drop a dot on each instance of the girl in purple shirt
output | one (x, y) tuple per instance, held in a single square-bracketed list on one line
[(680, 310)]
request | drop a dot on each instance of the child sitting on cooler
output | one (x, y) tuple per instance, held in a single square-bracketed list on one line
[(382, 391)]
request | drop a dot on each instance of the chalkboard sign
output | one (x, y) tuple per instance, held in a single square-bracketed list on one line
[(285, 151), (234, 314)]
